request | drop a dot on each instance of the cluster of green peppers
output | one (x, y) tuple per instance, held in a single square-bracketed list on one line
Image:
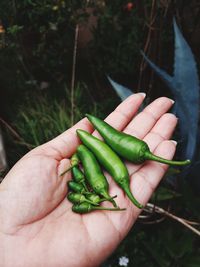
[(84, 198), (93, 151)]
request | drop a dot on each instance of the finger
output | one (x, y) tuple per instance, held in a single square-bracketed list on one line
[(161, 131), (64, 145), (144, 182), (124, 113), (145, 120)]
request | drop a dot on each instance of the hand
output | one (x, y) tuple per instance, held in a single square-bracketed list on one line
[(37, 226)]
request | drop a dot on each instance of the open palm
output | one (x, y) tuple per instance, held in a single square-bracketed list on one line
[(37, 226)]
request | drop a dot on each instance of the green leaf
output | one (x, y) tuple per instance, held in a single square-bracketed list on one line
[(163, 193)]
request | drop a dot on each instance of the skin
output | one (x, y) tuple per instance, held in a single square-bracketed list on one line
[(37, 225)]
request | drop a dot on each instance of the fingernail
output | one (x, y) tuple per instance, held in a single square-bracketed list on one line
[(174, 142), (172, 101), (142, 94)]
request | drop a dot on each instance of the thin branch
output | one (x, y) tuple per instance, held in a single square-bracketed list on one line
[(15, 134), (148, 39), (156, 221), (10, 128), (74, 73), (150, 207)]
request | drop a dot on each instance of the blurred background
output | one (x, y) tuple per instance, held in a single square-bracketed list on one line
[(55, 59)]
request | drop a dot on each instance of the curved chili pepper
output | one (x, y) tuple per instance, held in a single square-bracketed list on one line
[(93, 173), (110, 161), (128, 146), (86, 207)]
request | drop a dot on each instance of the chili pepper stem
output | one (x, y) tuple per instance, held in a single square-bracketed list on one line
[(68, 169), (85, 187), (103, 208), (150, 156), (87, 193), (90, 202), (110, 199), (105, 199), (132, 198)]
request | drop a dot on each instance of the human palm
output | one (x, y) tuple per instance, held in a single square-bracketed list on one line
[(37, 226)]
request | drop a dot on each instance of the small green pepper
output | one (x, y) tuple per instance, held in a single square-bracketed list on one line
[(96, 199), (79, 176), (78, 188), (74, 161), (110, 161), (93, 173), (77, 198), (86, 207), (128, 146)]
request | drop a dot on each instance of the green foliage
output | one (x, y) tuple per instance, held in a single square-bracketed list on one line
[(14, 30), (164, 193), (42, 117), (117, 39), (38, 44)]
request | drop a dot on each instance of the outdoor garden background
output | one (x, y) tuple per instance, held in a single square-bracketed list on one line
[(55, 59)]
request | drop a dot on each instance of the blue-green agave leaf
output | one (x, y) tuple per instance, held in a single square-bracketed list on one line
[(122, 91), (185, 87)]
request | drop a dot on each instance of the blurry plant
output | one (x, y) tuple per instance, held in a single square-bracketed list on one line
[(38, 38), (117, 39), (41, 117), (185, 89), (14, 29), (122, 91)]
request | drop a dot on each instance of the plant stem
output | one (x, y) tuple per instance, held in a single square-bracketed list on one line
[(152, 207), (74, 73), (15, 134)]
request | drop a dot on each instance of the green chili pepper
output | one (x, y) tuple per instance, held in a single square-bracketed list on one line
[(77, 198), (110, 161), (78, 188), (86, 207), (96, 199), (74, 161), (79, 176), (128, 146), (93, 173)]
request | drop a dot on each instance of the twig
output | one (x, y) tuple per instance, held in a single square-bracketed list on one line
[(148, 39), (10, 128), (156, 221), (74, 73), (150, 207), (15, 134), (167, 8)]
